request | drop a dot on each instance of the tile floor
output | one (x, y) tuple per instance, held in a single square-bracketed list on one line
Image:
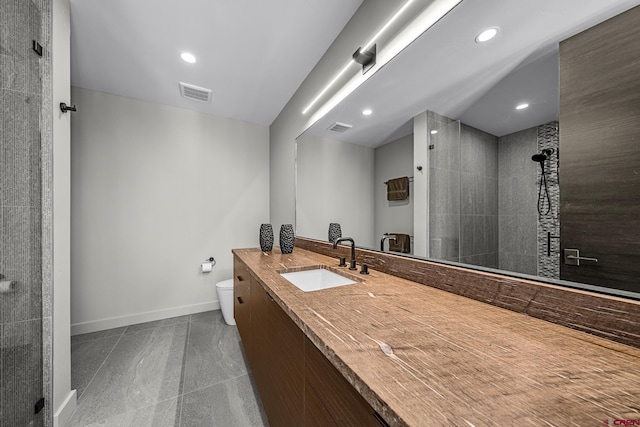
[(186, 371)]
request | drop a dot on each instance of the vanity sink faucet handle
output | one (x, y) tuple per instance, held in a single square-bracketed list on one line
[(364, 269), (352, 265), (343, 262)]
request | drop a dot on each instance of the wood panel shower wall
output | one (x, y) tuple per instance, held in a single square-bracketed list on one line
[(600, 152)]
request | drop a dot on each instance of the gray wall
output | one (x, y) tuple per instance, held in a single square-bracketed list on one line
[(155, 191), (291, 123), (518, 220), (479, 197), (335, 184), (393, 160)]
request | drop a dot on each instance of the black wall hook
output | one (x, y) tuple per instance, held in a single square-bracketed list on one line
[(64, 107), (37, 48)]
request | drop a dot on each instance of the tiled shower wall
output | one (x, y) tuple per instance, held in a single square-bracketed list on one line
[(517, 208), (522, 230), (25, 129), (443, 135), (479, 200), (463, 192), (549, 264), (483, 197)]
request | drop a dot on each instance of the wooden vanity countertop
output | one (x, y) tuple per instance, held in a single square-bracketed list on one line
[(425, 357)]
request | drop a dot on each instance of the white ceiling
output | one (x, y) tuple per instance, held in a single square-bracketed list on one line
[(253, 54), (447, 72)]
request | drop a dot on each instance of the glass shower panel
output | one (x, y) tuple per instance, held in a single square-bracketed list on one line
[(444, 187), (21, 365)]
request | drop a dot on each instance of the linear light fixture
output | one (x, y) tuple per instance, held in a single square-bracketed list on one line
[(327, 87), (427, 18), (364, 49), (387, 25)]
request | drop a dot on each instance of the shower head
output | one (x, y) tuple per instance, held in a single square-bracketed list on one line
[(539, 157), (543, 155)]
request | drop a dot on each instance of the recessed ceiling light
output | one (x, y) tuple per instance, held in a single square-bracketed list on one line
[(487, 34), (187, 57), (522, 106), (367, 112), (433, 132)]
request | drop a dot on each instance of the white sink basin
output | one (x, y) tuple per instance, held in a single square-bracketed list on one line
[(317, 279)]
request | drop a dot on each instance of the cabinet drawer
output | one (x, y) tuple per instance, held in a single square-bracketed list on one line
[(240, 273), (242, 302)]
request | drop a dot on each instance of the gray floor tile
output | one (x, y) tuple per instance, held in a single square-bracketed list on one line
[(143, 369), (157, 323), (163, 414), (115, 332), (213, 353), (86, 359), (147, 370), (227, 404), (207, 316)]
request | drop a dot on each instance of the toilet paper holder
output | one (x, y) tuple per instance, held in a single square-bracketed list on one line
[(208, 265)]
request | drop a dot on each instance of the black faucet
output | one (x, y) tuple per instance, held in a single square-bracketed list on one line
[(352, 265)]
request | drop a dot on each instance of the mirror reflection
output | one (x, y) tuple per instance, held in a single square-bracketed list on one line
[(458, 157)]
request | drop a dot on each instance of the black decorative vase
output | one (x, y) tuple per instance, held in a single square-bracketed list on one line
[(286, 238), (266, 237), (335, 232)]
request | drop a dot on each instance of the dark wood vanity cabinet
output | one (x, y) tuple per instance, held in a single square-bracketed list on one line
[(298, 386), (273, 345), (329, 398)]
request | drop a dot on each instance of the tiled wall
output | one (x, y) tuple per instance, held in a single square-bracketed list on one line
[(517, 227), (23, 128), (479, 201), (549, 265), (444, 187), (463, 192), (522, 230), (483, 197)]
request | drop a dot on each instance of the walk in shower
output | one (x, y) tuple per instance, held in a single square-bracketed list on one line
[(483, 197), (24, 26)]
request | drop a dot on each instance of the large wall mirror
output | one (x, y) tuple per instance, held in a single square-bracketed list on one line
[(475, 129)]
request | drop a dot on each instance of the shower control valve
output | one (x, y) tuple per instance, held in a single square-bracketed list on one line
[(572, 257)]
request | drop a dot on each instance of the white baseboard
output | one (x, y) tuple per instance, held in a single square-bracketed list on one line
[(149, 316), (64, 412)]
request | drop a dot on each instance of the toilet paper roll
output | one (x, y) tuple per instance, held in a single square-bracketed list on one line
[(206, 267), (7, 286)]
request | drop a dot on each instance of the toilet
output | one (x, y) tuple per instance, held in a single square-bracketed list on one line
[(225, 296)]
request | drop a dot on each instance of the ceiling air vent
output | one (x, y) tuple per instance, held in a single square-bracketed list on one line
[(339, 127), (195, 93)]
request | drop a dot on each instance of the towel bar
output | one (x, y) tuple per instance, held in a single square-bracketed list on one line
[(410, 180)]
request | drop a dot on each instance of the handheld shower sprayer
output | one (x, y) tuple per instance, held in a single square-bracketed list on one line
[(541, 158)]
